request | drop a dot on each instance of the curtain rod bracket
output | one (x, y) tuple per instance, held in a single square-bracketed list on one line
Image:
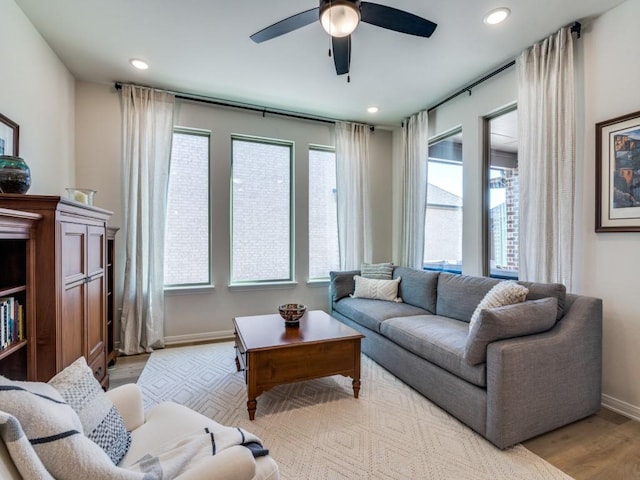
[(576, 28)]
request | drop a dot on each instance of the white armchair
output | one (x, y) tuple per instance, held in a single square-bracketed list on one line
[(169, 420)]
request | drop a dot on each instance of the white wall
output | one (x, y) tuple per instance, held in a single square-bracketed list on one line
[(37, 93), (608, 263), (208, 314)]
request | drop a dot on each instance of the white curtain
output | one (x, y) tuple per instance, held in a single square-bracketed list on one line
[(546, 159), (415, 151), (352, 165), (147, 129)]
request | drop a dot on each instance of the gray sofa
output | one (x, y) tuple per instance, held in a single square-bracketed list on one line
[(527, 386)]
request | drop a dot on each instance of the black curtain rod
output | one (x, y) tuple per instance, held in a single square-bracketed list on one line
[(243, 106), (575, 28)]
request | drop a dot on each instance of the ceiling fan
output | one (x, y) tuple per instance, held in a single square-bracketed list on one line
[(340, 18)]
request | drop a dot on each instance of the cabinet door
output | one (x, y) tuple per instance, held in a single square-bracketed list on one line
[(73, 330), (74, 252), (74, 266), (96, 306), (96, 327)]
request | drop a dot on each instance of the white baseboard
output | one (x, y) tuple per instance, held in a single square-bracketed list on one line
[(199, 337), (623, 408)]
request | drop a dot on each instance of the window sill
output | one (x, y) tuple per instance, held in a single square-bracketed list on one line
[(262, 285), (189, 290), (318, 282)]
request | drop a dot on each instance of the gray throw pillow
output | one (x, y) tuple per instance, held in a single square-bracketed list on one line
[(379, 271), (526, 318), (101, 422), (342, 284)]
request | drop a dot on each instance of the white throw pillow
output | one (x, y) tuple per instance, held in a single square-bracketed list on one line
[(376, 289), (503, 293)]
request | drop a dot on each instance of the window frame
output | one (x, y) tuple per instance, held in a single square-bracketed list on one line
[(486, 192), (431, 141), (210, 284), (310, 279), (270, 141)]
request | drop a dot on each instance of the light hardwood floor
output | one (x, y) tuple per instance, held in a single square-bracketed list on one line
[(605, 446)]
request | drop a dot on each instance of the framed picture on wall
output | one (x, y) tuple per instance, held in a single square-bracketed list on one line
[(618, 174), (9, 137)]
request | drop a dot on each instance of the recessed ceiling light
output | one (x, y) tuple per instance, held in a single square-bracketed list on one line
[(139, 64), (373, 109), (497, 16)]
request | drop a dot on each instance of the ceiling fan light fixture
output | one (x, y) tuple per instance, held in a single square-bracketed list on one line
[(496, 16), (339, 18)]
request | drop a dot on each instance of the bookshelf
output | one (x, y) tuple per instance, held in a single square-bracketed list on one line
[(17, 273)]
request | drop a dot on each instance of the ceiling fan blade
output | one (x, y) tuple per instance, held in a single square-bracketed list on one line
[(287, 25), (397, 20), (341, 53)]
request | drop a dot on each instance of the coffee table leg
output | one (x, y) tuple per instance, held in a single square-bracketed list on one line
[(251, 408), (356, 387)]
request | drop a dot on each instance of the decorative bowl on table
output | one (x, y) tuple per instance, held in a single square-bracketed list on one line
[(292, 312)]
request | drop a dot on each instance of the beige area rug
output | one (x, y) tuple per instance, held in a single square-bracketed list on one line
[(317, 430)]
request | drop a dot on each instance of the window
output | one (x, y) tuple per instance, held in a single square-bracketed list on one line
[(443, 221), (261, 209), (323, 213), (187, 240), (502, 214)]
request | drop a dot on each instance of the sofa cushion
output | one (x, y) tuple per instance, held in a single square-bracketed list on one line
[(370, 313), (101, 421), (545, 290), (380, 271), (418, 287), (459, 295), (440, 340), (503, 293), (527, 318), (342, 284), (376, 289)]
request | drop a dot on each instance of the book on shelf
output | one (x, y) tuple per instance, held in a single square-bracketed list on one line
[(11, 321)]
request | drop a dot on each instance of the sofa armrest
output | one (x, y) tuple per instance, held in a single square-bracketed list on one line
[(540, 382), (233, 463), (128, 401)]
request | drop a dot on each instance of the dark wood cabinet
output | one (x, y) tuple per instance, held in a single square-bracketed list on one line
[(17, 269), (112, 353), (70, 283)]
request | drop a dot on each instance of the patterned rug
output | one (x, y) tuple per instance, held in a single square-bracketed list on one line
[(317, 430)]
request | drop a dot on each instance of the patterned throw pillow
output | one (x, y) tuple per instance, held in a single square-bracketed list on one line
[(376, 289), (381, 271), (503, 293), (101, 422)]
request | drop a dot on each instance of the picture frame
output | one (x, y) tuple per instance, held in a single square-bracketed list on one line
[(618, 174), (9, 137)]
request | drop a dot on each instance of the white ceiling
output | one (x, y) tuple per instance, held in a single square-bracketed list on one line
[(203, 47)]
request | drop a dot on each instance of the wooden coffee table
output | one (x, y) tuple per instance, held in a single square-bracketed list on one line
[(271, 354)]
